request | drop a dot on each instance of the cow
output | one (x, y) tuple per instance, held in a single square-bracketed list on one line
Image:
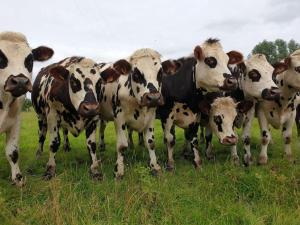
[(188, 80), (281, 112), (131, 102), (64, 95), (16, 63)]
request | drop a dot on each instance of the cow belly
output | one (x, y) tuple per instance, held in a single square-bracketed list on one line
[(141, 123), (184, 120), (74, 129)]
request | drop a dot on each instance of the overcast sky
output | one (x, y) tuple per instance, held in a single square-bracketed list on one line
[(109, 30)]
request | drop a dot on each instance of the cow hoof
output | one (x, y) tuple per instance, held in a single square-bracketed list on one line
[(155, 172), (248, 160), (262, 160), (67, 148), (290, 158), (38, 154), (19, 180), (210, 156), (118, 177), (236, 160), (96, 176), (50, 173), (170, 167), (102, 147), (197, 164)]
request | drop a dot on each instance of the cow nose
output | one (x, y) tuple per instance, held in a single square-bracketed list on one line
[(88, 110), (18, 85), (270, 94), (152, 99), (229, 140), (230, 83)]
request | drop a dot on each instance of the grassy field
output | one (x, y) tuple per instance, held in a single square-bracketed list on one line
[(218, 194)]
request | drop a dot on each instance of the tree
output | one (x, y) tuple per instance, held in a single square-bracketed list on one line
[(277, 50)]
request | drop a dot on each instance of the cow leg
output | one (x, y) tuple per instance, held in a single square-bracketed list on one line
[(150, 145), (201, 136), (12, 153), (130, 138), (91, 146), (248, 160), (54, 142), (67, 147), (234, 155), (42, 123), (187, 151), (101, 135), (169, 137), (208, 145), (141, 139), (287, 134), (122, 144), (193, 139), (266, 137)]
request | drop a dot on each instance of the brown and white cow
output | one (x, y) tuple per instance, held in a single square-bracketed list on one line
[(16, 63), (191, 78), (131, 102), (281, 112), (64, 95)]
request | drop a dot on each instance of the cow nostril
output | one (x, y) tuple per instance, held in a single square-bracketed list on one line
[(14, 81)]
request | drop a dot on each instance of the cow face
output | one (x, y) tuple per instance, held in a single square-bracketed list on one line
[(16, 62), (212, 71), (81, 78), (146, 76), (257, 79), (292, 67), (222, 115)]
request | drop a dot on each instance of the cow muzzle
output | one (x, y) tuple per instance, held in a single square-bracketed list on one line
[(89, 110), (152, 99), (18, 85), (229, 140), (271, 94), (230, 83)]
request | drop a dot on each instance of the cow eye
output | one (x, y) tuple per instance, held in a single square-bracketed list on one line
[(3, 60), (28, 63), (159, 76), (211, 62), (254, 75), (297, 69), (218, 119), (137, 75)]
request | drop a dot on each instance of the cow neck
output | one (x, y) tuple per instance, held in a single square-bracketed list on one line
[(288, 95)]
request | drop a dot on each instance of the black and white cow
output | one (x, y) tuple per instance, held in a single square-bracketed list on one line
[(255, 84), (16, 63), (281, 113), (191, 78), (131, 102), (64, 95)]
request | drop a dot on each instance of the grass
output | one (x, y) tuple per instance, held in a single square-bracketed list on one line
[(218, 194)]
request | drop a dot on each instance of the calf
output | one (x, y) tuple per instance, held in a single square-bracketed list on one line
[(64, 95), (281, 113), (191, 78), (16, 63), (132, 102)]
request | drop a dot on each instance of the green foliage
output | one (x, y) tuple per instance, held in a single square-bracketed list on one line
[(277, 50), (220, 193), (27, 104)]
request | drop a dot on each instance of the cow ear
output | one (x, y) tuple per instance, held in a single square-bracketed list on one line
[(280, 67), (109, 75), (42, 53), (168, 66), (244, 106), (235, 57), (59, 73), (122, 66), (198, 53), (204, 107)]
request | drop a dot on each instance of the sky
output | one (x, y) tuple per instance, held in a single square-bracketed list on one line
[(110, 30)]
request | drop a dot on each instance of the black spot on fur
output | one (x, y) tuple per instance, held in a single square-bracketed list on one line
[(75, 84), (93, 71), (264, 134), (185, 113), (218, 121), (247, 140), (123, 127), (3, 60), (211, 62), (28, 63), (14, 156), (271, 114)]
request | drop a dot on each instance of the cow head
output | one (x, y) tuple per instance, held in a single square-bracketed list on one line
[(16, 62), (81, 78), (146, 77), (212, 73), (222, 114), (256, 80), (292, 67)]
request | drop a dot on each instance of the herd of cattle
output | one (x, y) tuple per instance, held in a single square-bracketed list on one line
[(211, 88)]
